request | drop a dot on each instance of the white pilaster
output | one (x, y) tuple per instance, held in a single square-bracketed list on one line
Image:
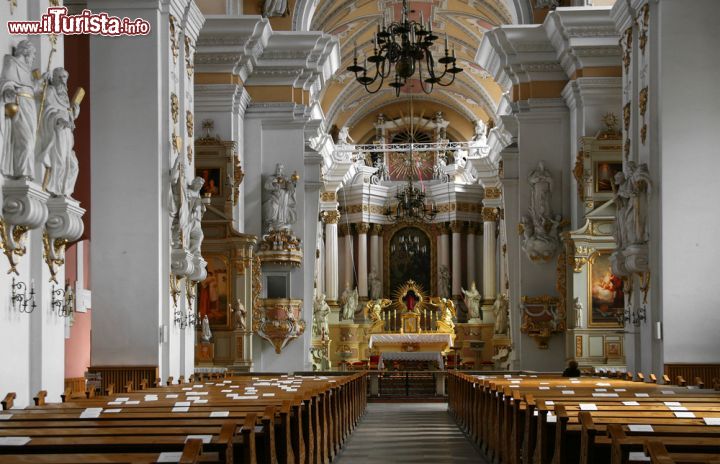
[(330, 218), (456, 227), (362, 230)]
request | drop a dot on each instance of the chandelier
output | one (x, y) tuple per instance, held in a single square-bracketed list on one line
[(411, 205), (404, 46)]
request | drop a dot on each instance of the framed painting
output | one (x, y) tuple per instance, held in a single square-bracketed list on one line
[(605, 175), (605, 292), (213, 178), (214, 292)]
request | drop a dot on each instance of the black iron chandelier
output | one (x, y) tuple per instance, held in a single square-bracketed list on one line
[(411, 205), (404, 46)]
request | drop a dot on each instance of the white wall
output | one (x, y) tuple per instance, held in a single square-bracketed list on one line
[(688, 121), (33, 345)]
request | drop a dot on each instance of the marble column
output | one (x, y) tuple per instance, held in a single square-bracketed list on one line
[(347, 257), (375, 251), (471, 255), (456, 227), (362, 230), (330, 218), (489, 216)]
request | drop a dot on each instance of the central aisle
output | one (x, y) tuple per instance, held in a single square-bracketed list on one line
[(408, 432)]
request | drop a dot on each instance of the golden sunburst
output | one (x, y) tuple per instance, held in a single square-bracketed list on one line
[(401, 293)]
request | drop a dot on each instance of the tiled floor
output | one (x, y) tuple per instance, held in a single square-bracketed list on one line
[(408, 433)]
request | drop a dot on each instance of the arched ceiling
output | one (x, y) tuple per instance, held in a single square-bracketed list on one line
[(474, 95)]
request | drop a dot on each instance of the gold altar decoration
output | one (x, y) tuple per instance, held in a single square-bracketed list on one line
[(374, 309), (448, 311), (280, 321), (281, 247), (54, 254), (12, 243), (542, 316)]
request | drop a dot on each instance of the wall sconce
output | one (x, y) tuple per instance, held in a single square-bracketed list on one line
[(634, 316), (20, 300), (185, 320), (62, 299)]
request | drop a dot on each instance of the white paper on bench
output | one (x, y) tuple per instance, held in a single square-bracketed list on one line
[(238, 397), (684, 415), (115, 403), (187, 389), (197, 393), (170, 456), (638, 456), (151, 398), (712, 420), (227, 381), (258, 429), (672, 403), (550, 403), (225, 391), (667, 392), (199, 401), (642, 395), (588, 407), (640, 427), (14, 441), (197, 386), (543, 388), (220, 414), (122, 399), (619, 389), (602, 384), (551, 418), (107, 411), (182, 403), (91, 413), (268, 394), (677, 408), (5, 416), (171, 396), (205, 438), (631, 403), (601, 389), (605, 395), (132, 402), (180, 409), (568, 392)]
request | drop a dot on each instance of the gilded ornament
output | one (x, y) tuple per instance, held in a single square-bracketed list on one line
[(190, 154), (330, 217), (627, 46), (54, 254), (189, 123), (173, 40), (643, 133), (238, 176), (626, 148), (489, 214), (456, 227), (362, 228), (13, 243), (176, 142), (643, 101), (376, 229), (644, 27), (501, 169), (189, 67), (578, 346), (175, 288), (174, 107), (579, 174), (256, 292), (626, 116), (492, 193), (328, 196)]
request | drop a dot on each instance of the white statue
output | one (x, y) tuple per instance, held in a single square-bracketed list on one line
[(375, 285), (279, 206), (18, 120), (439, 170), (500, 310), (502, 358), (178, 204), (274, 8), (541, 185), (381, 172), (56, 136), (480, 134), (440, 126), (632, 194), (578, 313), (239, 316), (321, 312), (196, 211), (472, 300), (444, 282), (540, 227), (344, 136), (206, 333), (351, 304)]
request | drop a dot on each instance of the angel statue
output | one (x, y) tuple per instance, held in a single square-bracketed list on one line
[(351, 304), (472, 300)]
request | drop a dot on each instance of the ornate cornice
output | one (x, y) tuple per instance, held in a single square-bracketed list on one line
[(330, 217), (490, 214)]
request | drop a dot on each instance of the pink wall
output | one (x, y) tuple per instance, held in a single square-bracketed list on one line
[(77, 347)]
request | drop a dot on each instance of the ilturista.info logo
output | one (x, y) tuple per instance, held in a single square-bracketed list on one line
[(58, 21)]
